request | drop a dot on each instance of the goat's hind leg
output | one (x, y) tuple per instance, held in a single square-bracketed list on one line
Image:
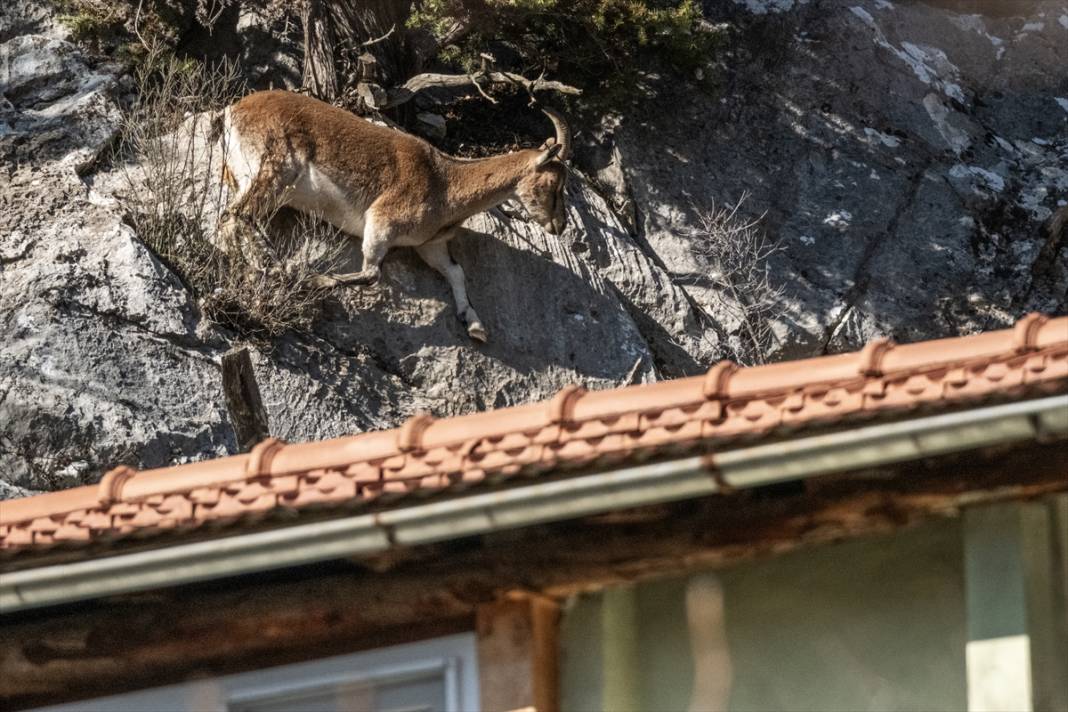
[(436, 254), (376, 244), (241, 224)]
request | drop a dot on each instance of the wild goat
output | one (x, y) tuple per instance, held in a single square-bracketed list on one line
[(386, 187)]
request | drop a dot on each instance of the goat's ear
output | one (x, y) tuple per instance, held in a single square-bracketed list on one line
[(547, 155)]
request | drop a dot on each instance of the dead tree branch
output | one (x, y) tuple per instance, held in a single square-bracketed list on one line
[(423, 82), (383, 38), (474, 81), (243, 400)]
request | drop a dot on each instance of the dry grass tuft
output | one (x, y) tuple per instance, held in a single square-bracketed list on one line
[(736, 253), (174, 199)]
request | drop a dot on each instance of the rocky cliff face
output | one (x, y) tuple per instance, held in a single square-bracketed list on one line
[(907, 156)]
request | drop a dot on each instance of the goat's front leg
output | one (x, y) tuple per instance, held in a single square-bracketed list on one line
[(436, 254)]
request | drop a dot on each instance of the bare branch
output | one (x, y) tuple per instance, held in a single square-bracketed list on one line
[(137, 29), (384, 37), (423, 82), (735, 253), (474, 80), (525, 86), (208, 12)]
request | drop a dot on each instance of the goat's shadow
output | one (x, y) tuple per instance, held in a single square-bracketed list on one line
[(539, 313)]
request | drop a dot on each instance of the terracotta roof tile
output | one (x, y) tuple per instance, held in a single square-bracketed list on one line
[(573, 431)]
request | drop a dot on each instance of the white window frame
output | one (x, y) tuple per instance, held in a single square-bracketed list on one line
[(454, 656), (251, 690)]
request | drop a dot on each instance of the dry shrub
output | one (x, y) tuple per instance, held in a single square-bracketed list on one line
[(736, 253), (174, 199)]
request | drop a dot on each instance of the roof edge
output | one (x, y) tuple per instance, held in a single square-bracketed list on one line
[(536, 503)]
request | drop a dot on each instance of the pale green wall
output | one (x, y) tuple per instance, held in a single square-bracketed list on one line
[(867, 625)]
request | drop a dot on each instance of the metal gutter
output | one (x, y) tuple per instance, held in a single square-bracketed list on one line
[(537, 502)]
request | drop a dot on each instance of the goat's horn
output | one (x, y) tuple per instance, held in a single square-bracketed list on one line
[(563, 132)]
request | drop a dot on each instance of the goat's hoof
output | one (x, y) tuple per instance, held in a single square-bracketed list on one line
[(364, 279), (477, 332), (324, 282)]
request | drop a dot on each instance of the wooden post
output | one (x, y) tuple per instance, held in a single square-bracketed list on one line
[(518, 654), (243, 401)]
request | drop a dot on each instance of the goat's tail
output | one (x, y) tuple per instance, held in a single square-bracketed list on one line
[(216, 124)]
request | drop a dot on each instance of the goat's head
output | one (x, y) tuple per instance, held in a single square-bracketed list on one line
[(542, 190)]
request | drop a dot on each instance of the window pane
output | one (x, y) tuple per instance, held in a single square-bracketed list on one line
[(424, 693)]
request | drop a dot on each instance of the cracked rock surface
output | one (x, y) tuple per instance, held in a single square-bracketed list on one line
[(907, 156)]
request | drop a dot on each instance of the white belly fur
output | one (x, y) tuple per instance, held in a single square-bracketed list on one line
[(314, 193)]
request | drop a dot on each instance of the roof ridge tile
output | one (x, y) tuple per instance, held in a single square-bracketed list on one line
[(410, 434), (111, 484), (716, 384), (1025, 333), (871, 357), (260, 457), (561, 407)]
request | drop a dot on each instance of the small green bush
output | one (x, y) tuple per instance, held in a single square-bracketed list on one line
[(596, 44), (94, 23), (128, 29)]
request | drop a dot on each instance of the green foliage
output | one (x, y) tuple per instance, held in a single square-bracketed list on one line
[(92, 22), (597, 44), (130, 29)]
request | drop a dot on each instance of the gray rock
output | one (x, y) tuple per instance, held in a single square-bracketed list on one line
[(431, 125), (99, 363), (105, 358), (906, 156)]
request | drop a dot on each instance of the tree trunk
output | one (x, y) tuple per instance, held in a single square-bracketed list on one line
[(360, 21), (336, 33), (320, 72)]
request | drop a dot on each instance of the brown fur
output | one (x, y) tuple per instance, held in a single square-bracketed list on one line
[(228, 177), (417, 185)]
